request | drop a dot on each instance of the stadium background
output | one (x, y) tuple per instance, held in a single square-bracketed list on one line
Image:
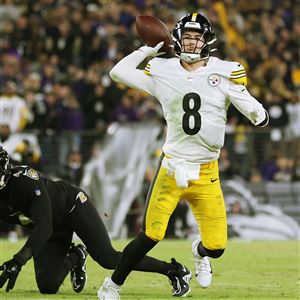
[(56, 55)]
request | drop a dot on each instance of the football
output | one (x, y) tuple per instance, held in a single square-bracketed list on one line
[(152, 31)]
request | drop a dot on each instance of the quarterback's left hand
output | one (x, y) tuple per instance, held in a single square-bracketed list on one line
[(10, 271)]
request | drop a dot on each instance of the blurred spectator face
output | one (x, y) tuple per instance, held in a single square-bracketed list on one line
[(33, 82), (50, 99), (22, 22), (4, 131), (62, 11), (64, 91), (54, 60), (10, 88), (77, 16), (85, 26), (74, 160), (29, 97), (99, 90), (8, 27), (64, 28), (11, 65), (49, 71)]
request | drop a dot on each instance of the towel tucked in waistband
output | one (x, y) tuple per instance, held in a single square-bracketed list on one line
[(183, 170)]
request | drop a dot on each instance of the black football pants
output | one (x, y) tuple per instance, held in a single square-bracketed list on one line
[(52, 264)]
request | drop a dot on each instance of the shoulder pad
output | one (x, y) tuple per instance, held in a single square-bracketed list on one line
[(25, 171), (238, 74)]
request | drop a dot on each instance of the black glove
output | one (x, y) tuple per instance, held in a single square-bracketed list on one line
[(10, 271)]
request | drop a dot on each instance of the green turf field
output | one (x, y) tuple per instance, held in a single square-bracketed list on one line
[(248, 270)]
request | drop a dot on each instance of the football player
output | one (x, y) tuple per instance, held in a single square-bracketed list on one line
[(194, 90), (55, 210)]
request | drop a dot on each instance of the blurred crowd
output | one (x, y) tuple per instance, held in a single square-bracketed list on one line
[(56, 55)]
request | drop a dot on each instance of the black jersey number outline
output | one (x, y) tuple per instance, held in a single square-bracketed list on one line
[(191, 113)]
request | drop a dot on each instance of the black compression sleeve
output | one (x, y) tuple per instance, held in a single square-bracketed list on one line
[(41, 215)]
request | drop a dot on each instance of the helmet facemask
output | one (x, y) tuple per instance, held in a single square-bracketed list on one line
[(5, 168)]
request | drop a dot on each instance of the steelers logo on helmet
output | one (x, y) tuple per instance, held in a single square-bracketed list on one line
[(193, 22), (214, 79)]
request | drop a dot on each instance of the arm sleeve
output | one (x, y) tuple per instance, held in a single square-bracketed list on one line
[(126, 72), (41, 215), (248, 105)]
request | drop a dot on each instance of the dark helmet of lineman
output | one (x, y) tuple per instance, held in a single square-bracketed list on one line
[(5, 168), (194, 22)]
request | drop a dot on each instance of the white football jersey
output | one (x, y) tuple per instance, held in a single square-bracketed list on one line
[(13, 112), (194, 103)]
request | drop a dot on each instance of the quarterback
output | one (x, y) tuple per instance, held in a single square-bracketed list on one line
[(195, 91)]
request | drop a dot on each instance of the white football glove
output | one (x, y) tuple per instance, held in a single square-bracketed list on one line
[(152, 51)]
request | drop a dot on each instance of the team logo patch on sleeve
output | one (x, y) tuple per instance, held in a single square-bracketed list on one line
[(214, 80), (82, 197), (33, 174)]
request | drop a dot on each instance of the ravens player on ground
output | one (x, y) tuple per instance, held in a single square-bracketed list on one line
[(55, 210), (195, 90)]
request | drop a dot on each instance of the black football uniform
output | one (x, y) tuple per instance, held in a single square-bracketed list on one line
[(55, 210)]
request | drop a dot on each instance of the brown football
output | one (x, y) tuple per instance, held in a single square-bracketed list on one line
[(152, 31)]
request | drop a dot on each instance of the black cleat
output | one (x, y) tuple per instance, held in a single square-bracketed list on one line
[(180, 279), (78, 273)]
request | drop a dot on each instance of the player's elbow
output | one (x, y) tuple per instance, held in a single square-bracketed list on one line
[(115, 74)]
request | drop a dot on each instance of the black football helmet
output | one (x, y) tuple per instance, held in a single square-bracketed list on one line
[(5, 168), (194, 22)]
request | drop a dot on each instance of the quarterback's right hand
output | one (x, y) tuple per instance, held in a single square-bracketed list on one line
[(10, 271), (152, 51)]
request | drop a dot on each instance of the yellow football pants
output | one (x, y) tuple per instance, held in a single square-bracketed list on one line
[(205, 199)]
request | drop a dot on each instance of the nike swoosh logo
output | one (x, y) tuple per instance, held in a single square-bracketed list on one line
[(242, 90), (213, 180)]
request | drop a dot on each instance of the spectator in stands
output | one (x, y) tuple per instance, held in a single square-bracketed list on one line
[(70, 120), (125, 111), (73, 169), (13, 109), (226, 167), (284, 172)]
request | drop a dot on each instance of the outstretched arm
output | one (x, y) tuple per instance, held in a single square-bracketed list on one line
[(40, 215), (126, 72)]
